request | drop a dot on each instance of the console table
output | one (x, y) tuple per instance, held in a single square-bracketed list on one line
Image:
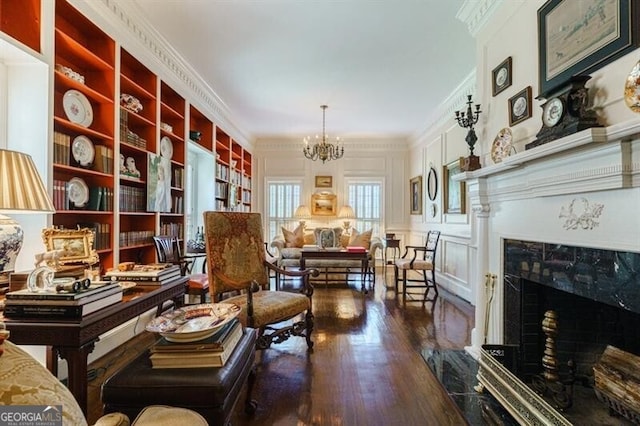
[(363, 257), (74, 340)]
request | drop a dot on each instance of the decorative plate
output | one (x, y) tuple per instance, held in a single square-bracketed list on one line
[(78, 192), (126, 285), (501, 145), (632, 89), (166, 147), (193, 323), (77, 107), (82, 150)]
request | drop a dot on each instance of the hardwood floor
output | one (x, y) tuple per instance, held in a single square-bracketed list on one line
[(365, 369)]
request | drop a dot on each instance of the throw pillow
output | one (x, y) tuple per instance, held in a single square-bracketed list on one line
[(309, 238), (360, 239), (328, 237), (293, 238)]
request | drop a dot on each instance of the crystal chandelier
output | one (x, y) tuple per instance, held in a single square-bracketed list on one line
[(322, 149)]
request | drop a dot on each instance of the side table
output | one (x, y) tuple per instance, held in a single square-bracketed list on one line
[(391, 243)]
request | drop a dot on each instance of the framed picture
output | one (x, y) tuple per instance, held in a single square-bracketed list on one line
[(158, 184), (501, 76), (432, 184), (454, 192), (415, 188), (323, 204), (324, 181), (74, 245), (520, 106), (579, 37)]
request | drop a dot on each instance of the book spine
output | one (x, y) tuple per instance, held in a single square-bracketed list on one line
[(59, 296), (42, 311), (138, 278)]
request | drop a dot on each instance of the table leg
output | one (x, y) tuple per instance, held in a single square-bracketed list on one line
[(363, 274), (77, 366)]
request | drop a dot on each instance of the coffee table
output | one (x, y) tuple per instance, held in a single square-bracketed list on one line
[(362, 256)]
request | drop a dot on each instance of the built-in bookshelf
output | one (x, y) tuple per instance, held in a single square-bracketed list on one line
[(114, 120)]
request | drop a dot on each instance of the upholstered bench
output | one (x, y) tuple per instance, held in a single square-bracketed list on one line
[(212, 392)]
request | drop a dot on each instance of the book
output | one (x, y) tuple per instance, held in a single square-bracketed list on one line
[(356, 249), (215, 343), (53, 309), (67, 302), (61, 295), (143, 278), (198, 359), (152, 271)]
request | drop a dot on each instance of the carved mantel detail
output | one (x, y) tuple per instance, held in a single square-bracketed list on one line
[(580, 214)]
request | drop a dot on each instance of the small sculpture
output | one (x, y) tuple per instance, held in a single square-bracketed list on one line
[(48, 257), (128, 167)]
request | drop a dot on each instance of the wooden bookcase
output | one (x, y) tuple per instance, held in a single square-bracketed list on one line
[(84, 191), (96, 136)]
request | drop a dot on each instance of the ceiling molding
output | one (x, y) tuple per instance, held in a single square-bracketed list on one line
[(127, 24), (476, 13)]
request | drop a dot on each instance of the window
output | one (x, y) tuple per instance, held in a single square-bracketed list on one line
[(283, 200), (365, 197)]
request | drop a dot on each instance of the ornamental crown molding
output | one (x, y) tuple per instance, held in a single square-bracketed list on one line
[(476, 13), (126, 23)]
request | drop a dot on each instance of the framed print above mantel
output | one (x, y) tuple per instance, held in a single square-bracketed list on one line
[(579, 37), (501, 77), (520, 106)]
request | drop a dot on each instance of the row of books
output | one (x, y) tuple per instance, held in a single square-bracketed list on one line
[(102, 161), (133, 199), (172, 228), (177, 204), (127, 135), (64, 304), (178, 178), (135, 238), (100, 198), (101, 234), (156, 274), (213, 351)]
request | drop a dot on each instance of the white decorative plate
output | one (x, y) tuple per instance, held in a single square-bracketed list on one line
[(501, 145), (193, 323), (77, 107), (82, 150), (78, 192), (632, 89), (166, 147)]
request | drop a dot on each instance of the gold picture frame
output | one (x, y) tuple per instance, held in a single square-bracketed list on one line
[(454, 192), (324, 181), (75, 245), (415, 193), (324, 204)]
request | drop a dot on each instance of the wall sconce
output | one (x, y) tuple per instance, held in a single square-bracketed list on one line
[(467, 121), (346, 212), (21, 191), (302, 213)]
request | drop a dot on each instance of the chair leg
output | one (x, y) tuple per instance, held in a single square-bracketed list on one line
[(308, 319), (395, 276), (404, 283)]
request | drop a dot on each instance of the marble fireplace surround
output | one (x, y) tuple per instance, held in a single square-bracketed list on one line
[(582, 190)]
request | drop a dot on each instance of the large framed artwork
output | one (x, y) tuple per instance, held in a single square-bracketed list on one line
[(415, 188), (324, 204), (158, 184), (579, 37), (454, 192)]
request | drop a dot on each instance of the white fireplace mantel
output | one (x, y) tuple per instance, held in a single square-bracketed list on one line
[(523, 196)]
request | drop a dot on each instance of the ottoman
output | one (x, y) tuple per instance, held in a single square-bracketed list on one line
[(212, 392)]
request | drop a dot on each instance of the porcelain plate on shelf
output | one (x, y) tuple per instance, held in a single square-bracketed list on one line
[(166, 147), (77, 108), (193, 323), (78, 192), (82, 150), (501, 147), (632, 89)]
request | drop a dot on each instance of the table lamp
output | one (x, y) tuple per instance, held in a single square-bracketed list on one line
[(302, 213), (21, 191), (346, 212)]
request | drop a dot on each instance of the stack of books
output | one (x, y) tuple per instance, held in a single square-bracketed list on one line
[(213, 351), (61, 304), (156, 274)]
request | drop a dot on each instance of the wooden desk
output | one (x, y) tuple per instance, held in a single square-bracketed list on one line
[(362, 256), (74, 340)]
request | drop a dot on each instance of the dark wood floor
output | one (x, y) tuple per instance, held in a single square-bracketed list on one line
[(366, 367)]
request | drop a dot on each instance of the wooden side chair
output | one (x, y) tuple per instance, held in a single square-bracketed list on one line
[(422, 260), (236, 263), (168, 251)]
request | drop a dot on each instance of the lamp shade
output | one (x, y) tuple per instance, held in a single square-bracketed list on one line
[(346, 212), (21, 188), (302, 212)]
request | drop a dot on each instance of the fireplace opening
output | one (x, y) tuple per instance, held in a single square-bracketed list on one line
[(595, 296)]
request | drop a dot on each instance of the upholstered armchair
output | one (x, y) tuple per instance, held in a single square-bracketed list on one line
[(421, 259), (24, 381), (236, 263)]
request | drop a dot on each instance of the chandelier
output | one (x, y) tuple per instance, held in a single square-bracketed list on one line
[(322, 149)]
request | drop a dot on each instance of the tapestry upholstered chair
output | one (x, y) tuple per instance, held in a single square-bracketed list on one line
[(27, 382), (168, 251), (236, 263), (421, 260)]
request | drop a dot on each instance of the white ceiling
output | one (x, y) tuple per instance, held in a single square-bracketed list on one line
[(382, 66)]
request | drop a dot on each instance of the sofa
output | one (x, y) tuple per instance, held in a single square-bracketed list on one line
[(287, 247)]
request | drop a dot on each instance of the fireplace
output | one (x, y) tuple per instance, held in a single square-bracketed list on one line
[(595, 294)]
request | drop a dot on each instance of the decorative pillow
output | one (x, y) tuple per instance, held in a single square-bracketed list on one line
[(293, 238), (360, 239), (309, 238), (328, 237), (344, 240)]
